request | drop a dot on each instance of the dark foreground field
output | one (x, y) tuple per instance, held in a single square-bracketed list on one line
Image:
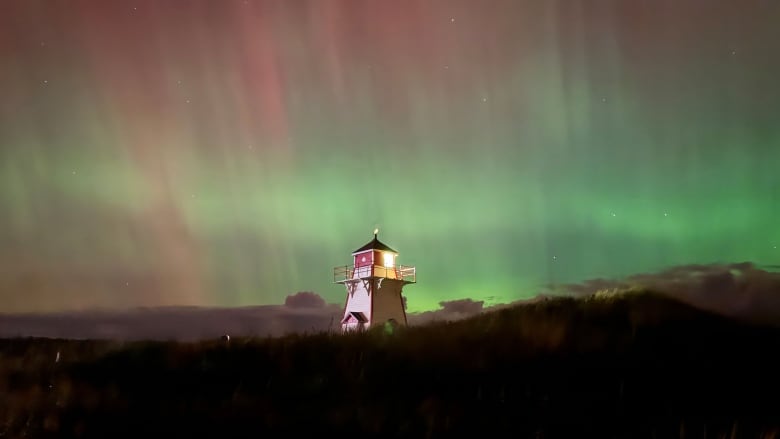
[(636, 365)]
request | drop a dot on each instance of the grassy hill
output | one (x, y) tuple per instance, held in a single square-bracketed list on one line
[(625, 365)]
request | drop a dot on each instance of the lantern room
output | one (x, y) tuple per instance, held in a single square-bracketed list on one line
[(374, 260), (375, 257)]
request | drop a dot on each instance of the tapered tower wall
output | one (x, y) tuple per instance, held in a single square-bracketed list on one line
[(359, 301), (388, 303)]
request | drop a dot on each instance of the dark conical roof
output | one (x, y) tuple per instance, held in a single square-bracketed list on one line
[(375, 244)]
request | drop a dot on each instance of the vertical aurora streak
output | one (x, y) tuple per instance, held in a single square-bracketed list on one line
[(233, 152)]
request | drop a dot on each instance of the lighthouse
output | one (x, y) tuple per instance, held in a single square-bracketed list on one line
[(374, 283)]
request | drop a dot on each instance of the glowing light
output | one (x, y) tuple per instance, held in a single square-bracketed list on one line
[(388, 259)]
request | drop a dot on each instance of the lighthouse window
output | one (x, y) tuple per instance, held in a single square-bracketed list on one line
[(388, 257)]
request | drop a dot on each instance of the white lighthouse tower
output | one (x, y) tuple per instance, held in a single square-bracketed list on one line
[(374, 283)]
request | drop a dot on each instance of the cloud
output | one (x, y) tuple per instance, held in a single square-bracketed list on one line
[(463, 306), (739, 289), (301, 312), (304, 299), (450, 310)]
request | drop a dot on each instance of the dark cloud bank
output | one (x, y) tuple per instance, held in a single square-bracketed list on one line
[(740, 290), (301, 312)]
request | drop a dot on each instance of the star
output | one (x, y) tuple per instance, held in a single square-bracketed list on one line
[(603, 99), (74, 172), (188, 101), (484, 99), (614, 214), (555, 257), (666, 214), (452, 20), (45, 81)]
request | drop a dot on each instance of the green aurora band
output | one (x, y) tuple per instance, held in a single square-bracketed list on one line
[(231, 153)]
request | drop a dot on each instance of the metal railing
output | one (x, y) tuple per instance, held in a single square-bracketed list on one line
[(344, 273)]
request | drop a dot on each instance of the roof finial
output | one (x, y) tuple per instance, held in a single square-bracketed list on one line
[(376, 232)]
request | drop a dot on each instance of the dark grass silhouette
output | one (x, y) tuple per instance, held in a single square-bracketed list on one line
[(633, 365)]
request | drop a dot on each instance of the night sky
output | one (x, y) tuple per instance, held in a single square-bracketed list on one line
[(228, 153)]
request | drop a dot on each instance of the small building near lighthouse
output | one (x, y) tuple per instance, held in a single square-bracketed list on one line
[(374, 283)]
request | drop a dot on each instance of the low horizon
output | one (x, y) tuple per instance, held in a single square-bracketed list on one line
[(742, 291)]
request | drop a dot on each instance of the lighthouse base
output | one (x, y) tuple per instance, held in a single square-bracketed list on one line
[(373, 301)]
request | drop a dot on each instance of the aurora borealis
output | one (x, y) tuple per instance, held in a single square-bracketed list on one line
[(226, 153)]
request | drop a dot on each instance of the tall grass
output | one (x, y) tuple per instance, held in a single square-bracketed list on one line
[(612, 365)]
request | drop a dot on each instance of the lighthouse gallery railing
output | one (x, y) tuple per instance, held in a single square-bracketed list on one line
[(401, 272)]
